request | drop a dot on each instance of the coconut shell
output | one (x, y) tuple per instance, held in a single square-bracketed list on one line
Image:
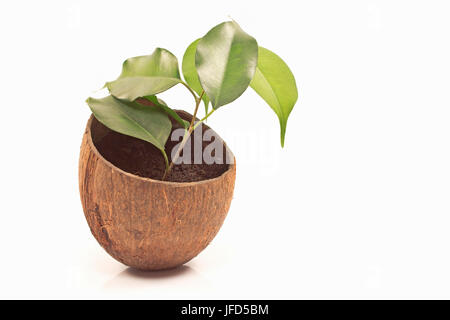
[(144, 223)]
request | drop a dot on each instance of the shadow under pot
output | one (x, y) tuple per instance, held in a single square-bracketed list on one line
[(144, 222)]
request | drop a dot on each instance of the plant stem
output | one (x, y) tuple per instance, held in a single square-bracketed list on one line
[(166, 160), (191, 91), (186, 136), (197, 104), (204, 118)]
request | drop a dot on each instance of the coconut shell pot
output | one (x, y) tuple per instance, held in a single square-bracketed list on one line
[(147, 223)]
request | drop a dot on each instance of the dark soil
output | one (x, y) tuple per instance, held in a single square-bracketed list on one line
[(143, 159)]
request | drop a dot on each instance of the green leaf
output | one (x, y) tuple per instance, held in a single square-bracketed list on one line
[(133, 119), (146, 75), (190, 72), (226, 60), (275, 83), (160, 103), (131, 88)]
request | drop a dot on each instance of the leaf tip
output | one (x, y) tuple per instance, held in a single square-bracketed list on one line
[(282, 132)]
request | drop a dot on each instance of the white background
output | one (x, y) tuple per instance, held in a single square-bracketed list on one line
[(355, 206)]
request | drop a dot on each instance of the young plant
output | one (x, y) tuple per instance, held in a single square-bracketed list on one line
[(217, 69)]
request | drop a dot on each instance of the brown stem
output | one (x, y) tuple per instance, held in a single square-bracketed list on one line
[(190, 90), (197, 104), (185, 138)]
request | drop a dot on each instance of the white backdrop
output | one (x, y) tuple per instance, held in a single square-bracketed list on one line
[(355, 206)]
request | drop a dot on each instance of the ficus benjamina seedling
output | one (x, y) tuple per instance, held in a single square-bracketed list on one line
[(217, 69)]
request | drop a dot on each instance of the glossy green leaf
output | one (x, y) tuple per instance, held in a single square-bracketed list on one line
[(226, 60), (160, 63), (146, 75), (275, 83), (161, 104), (131, 88), (190, 72), (132, 119)]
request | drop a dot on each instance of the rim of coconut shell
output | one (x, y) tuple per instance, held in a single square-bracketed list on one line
[(131, 175)]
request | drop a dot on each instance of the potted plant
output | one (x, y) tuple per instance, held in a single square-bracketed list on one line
[(149, 200)]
